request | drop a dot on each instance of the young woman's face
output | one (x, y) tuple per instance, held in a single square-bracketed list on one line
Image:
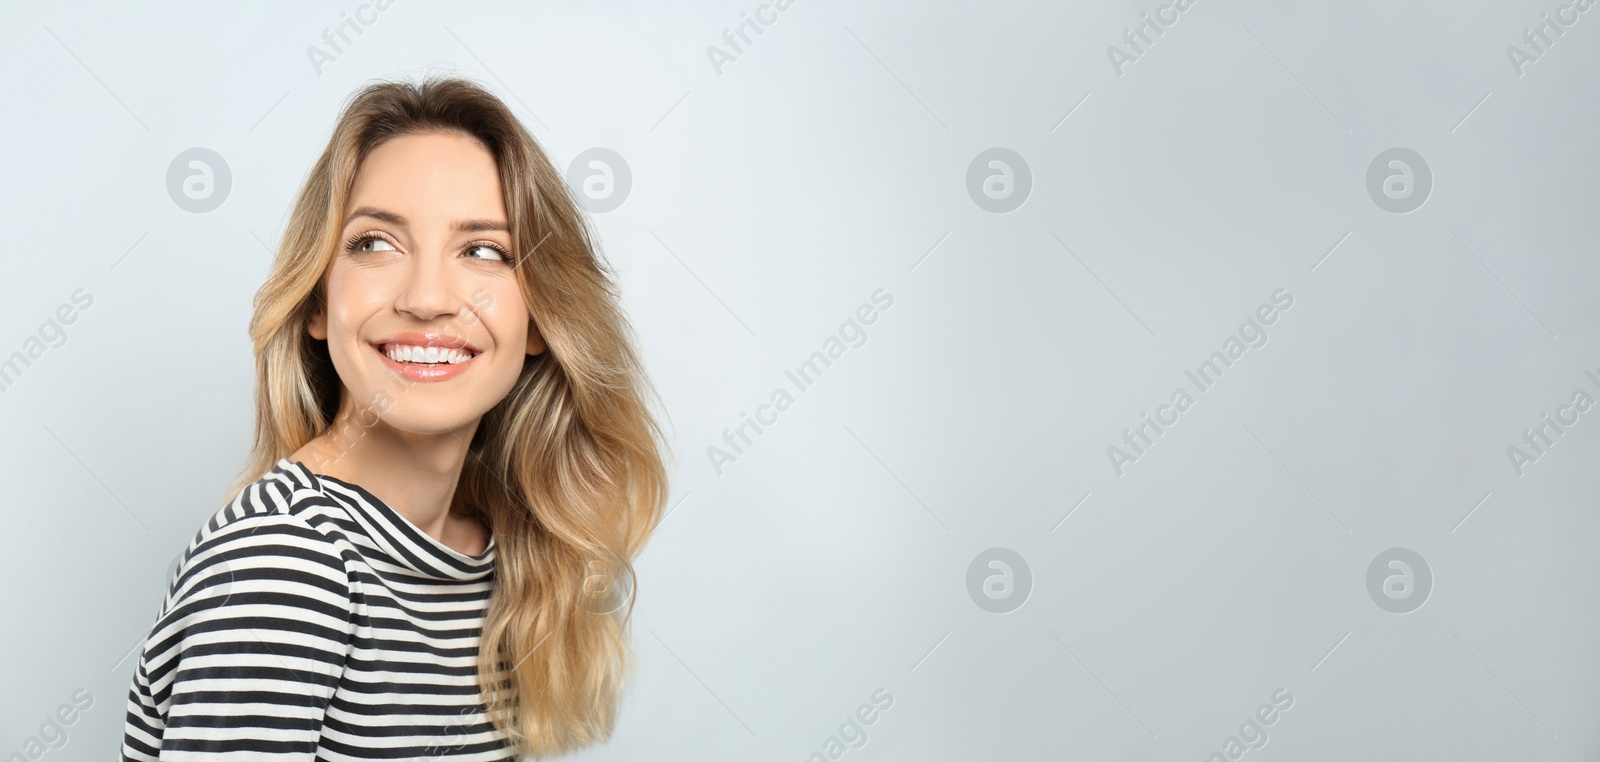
[(425, 320)]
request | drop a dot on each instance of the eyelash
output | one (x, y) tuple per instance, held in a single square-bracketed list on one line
[(360, 238)]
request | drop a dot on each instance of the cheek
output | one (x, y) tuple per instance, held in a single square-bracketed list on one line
[(353, 297), (505, 317)]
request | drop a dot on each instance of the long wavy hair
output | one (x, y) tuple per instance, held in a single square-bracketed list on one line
[(567, 470)]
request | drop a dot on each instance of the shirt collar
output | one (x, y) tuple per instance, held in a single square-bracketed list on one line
[(406, 546)]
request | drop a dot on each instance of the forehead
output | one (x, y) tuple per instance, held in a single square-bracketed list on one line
[(432, 177)]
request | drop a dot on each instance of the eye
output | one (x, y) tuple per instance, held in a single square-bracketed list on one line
[(367, 243), (489, 252)]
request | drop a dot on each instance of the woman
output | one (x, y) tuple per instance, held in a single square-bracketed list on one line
[(430, 552)]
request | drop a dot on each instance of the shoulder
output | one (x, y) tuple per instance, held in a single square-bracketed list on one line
[(281, 496), (279, 521), (270, 568)]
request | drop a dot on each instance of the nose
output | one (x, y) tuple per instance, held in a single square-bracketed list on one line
[(429, 289)]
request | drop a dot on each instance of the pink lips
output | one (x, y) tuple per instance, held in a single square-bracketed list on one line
[(426, 372)]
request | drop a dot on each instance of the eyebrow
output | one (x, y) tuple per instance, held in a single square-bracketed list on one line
[(464, 226)]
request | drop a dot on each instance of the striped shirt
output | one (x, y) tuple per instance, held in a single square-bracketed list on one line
[(308, 620)]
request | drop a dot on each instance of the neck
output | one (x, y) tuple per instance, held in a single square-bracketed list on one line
[(416, 474)]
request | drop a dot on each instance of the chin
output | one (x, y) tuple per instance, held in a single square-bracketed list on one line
[(417, 417)]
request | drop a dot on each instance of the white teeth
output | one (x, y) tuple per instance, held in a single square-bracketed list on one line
[(434, 355)]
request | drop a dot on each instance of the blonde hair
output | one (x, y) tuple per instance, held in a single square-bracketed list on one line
[(567, 470)]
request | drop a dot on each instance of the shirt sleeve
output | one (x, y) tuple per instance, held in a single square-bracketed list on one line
[(247, 649)]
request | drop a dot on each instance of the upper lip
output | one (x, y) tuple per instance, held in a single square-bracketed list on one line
[(415, 339)]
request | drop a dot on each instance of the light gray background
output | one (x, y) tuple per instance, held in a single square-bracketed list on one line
[(827, 161)]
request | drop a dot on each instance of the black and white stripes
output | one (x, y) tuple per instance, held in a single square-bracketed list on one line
[(310, 621)]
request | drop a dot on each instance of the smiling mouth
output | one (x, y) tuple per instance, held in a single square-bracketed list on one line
[(413, 354)]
